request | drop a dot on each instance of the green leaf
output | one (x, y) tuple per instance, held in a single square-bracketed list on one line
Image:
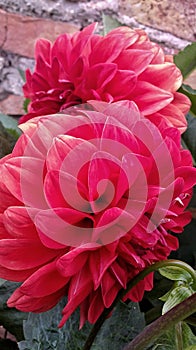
[(176, 273), (7, 140), (189, 339), (10, 318), (41, 332), (126, 322), (25, 104), (167, 340), (109, 23), (10, 124), (2, 281), (189, 136), (176, 296), (22, 74), (186, 60), (165, 296), (191, 93)]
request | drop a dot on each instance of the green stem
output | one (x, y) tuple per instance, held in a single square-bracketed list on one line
[(153, 331), (131, 284), (179, 339)]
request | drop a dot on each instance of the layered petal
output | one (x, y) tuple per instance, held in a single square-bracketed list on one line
[(124, 64)]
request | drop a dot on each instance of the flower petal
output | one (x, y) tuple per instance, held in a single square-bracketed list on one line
[(120, 91), (22, 174), (14, 254), (165, 76), (152, 98), (80, 288), (68, 227), (99, 262), (41, 283), (25, 303), (18, 222), (134, 60)]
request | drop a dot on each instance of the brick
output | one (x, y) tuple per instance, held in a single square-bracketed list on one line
[(176, 17), (3, 28), (12, 105), (18, 33)]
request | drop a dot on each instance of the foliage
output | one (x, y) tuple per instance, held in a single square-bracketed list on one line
[(25, 104), (167, 341), (11, 125), (186, 60), (191, 93), (183, 287), (109, 23), (41, 332), (189, 135), (11, 319)]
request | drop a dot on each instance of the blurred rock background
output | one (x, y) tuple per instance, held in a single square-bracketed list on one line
[(170, 23)]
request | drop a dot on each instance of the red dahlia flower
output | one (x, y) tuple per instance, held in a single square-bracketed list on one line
[(87, 200), (124, 64)]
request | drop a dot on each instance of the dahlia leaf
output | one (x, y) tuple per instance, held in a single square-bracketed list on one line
[(25, 104), (189, 135), (184, 286), (191, 93), (2, 281), (165, 296), (10, 318), (125, 323), (176, 296), (109, 23), (167, 340), (189, 339), (186, 60), (175, 273), (41, 332), (10, 124), (8, 139), (22, 74)]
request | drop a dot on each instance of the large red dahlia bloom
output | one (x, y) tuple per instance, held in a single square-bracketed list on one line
[(87, 200), (124, 64)]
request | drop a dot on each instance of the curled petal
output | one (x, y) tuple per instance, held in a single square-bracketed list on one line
[(25, 303)]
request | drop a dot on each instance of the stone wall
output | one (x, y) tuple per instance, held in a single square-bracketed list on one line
[(170, 23), (176, 17)]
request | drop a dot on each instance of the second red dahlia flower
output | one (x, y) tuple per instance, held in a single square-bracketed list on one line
[(124, 64)]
